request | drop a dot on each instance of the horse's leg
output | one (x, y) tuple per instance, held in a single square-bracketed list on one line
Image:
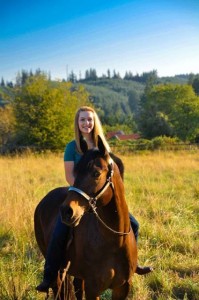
[(121, 293), (79, 288), (91, 290)]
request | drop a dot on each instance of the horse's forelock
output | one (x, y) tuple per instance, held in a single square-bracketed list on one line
[(86, 160)]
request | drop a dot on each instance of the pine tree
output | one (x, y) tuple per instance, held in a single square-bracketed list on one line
[(2, 82)]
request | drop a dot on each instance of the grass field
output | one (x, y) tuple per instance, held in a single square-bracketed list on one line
[(162, 191)]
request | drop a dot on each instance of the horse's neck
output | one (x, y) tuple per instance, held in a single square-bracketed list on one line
[(115, 214), (122, 210)]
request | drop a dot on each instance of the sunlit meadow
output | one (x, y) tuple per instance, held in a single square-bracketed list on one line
[(162, 191)]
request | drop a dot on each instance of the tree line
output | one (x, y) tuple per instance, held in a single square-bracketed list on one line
[(91, 75), (40, 112)]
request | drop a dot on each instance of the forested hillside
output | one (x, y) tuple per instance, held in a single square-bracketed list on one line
[(116, 99), (38, 112)]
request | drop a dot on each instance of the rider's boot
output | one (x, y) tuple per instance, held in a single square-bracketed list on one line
[(143, 270)]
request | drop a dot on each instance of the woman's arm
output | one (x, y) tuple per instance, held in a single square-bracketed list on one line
[(69, 172)]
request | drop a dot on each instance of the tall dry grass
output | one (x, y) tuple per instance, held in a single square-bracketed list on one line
[(24, 180), (162, 190)]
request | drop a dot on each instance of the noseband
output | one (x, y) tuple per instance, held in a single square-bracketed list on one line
[(92, 201)]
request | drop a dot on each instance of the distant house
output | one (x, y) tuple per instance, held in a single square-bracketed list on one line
[(120, 135)]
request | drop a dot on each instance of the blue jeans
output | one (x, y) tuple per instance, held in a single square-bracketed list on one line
[(135, 226), (57, 246)]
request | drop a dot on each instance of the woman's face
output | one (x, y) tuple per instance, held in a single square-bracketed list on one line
[(86, 122)]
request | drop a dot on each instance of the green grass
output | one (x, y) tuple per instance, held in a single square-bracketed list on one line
[(162, 192)]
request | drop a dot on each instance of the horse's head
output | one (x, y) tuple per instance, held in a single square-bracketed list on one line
[(92, 187)]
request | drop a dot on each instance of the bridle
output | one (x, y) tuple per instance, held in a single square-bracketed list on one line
[(92, 201)]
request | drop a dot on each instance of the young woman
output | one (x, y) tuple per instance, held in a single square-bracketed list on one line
[(87, 127)]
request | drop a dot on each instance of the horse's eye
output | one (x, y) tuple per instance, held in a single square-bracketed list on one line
[(96, 174)]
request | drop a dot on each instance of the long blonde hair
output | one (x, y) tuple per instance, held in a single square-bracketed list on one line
[(97, 130)]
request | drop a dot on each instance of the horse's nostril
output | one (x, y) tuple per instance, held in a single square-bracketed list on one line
[(69, 212), (66, 212)]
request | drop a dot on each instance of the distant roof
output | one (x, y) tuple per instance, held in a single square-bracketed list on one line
[(121, 136)]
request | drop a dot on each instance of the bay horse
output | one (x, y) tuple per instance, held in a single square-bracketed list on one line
[(102, 252)]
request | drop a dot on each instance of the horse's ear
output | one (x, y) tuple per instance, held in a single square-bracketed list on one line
[(83, 145), (101, 146)]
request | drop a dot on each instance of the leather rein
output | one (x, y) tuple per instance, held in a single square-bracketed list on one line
[(92, 201)]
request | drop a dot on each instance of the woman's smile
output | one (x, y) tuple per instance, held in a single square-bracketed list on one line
[(86, 121)]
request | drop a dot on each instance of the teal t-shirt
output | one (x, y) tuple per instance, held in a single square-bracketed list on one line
[(71, 154)]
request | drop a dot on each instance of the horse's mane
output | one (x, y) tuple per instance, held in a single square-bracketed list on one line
[(92, 154), (119, 163)]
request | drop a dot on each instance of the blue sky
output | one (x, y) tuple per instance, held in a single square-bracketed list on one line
[(65, 35)]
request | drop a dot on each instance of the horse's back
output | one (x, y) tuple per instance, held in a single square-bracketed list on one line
[(45, 216)]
